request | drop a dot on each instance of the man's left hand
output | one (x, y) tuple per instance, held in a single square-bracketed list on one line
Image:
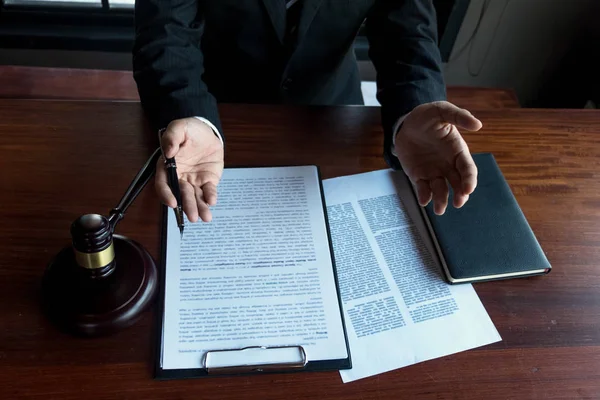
[(432, 152)]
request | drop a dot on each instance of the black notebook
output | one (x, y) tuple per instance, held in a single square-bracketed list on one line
[(489, 237)]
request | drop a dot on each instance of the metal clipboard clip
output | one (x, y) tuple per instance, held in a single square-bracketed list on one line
[(254, 359)]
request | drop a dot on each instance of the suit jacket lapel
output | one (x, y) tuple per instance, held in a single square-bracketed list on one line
[(309, 10), (277, 13)]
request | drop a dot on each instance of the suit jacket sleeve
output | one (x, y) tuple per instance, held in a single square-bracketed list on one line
[(168, 62), (403, 46)]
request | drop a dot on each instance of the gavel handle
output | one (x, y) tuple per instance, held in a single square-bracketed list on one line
[(134, 189)]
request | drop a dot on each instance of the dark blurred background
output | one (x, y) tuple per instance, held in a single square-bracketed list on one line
[(547, 51)]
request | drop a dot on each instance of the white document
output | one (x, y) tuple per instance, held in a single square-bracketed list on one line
[(259, 274), (397, 307)]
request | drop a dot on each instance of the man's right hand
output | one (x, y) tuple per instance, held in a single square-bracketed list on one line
[(199, 156)]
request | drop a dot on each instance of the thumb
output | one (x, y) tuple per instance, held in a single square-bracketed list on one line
[(461, 118), (173, 137)]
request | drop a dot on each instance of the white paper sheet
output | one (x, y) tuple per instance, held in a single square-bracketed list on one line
[(259, 274), (397, 307)]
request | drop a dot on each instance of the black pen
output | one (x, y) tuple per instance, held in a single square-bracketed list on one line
[(173, 181)]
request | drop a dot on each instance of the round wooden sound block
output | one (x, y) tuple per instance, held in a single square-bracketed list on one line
[(88, 305)]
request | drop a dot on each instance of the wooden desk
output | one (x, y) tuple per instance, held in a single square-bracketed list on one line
[(54, 159), (20, 82)]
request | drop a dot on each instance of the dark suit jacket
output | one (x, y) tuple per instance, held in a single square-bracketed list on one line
[(191, 54)]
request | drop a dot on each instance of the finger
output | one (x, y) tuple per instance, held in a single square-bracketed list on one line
[(461, 118), (468, 171), (203, 209), (173, 137), (459, 198), (162, 186), (210, 193), (423, 192), (188, 198), (439, 187)]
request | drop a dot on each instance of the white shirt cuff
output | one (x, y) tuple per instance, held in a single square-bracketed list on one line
[(213, 127), (395, 130)]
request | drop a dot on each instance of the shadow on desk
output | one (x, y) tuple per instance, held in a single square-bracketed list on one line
[(20, 82)]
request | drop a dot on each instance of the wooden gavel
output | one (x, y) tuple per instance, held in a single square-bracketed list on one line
[(102, 282)]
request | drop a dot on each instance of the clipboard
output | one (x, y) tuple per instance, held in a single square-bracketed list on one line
[(253, 359)]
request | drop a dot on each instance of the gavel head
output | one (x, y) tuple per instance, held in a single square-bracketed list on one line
[(93, 246), (83, 289)]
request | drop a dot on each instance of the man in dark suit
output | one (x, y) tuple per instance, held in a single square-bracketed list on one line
[(191, 54)]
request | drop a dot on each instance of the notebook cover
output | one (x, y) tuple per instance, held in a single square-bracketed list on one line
[(489, 236)]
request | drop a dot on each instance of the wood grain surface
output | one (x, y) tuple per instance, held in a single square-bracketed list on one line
[(24, 82), (53, 163), (21, 82)]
